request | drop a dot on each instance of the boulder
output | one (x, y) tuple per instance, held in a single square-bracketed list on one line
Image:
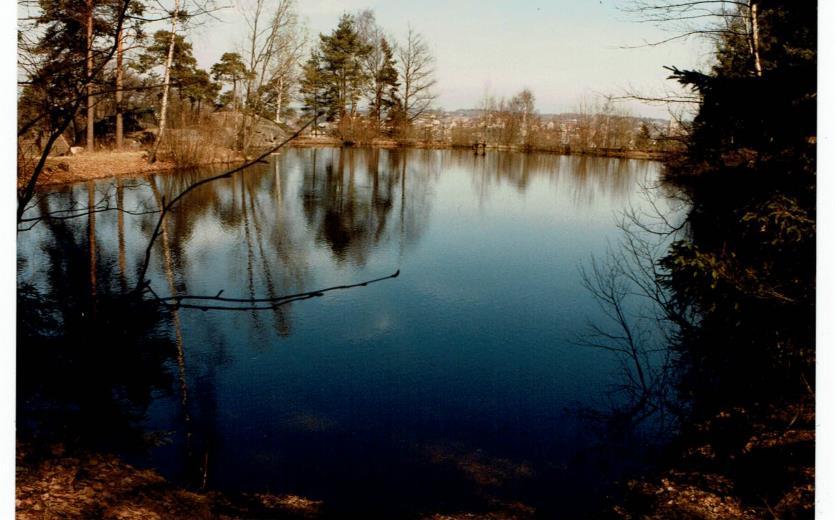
[(60, 146)]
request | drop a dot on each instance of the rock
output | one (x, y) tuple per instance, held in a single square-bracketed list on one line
[(75, 150), (60, 146)]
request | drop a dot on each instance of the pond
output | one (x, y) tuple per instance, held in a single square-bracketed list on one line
[(458, 385)]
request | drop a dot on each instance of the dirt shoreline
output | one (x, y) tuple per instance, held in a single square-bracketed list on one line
[(102, 165)]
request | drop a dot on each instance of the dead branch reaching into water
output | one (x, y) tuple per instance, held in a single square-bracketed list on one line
[(253, 304)]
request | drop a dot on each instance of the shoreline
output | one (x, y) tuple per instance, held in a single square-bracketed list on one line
[(389, 144), (60, 170)]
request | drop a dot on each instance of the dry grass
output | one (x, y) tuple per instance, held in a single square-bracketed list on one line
[(207, 141), (98, 165)]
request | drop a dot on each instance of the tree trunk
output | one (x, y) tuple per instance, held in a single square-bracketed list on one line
[(755, 38), (119, 79), (166, 83), (238, 131), (279, 100), (91, 110)]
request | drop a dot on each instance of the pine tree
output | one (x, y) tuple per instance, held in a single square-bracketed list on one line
[(67, 63), (183, 62), (312, 86), (385, 83), (341, 54), (230, 68), (198, 87)]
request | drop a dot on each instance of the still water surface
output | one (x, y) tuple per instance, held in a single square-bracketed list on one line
[(453, 387)]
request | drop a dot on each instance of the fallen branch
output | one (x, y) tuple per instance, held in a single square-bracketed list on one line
[(255, 304)]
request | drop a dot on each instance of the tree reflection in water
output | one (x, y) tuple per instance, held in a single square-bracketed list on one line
[(89, 360)]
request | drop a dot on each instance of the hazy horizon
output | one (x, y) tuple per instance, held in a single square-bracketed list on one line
[(563, 51)]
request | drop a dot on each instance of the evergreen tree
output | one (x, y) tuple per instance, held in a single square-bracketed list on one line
[(385, 83), (58, 65), (749, 173), (183, 63), (342, 73), (312, 86), (230, 68), (194, 85), (199, 88)]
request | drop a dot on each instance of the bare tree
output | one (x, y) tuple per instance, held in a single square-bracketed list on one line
[(487, 114), (417, 70), (379, 67), (525, 103), (274, 47), (712, 19), (285, 67), (583, 132), (166, 86)]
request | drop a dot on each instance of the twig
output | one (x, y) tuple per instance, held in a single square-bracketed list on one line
[(273, 302)]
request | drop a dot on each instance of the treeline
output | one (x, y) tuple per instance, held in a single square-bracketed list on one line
[(131, 79), (93, 71), (359, 64), (594, 127), (122, 74)]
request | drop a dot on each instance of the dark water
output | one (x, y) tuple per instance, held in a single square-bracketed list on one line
[(453, 387)]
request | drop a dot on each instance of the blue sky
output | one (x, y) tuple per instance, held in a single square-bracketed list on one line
[(562, 50)]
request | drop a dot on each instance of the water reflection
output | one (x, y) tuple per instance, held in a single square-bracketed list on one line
[(89, 361), (356, 199), (584, 177), (444, 389)]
